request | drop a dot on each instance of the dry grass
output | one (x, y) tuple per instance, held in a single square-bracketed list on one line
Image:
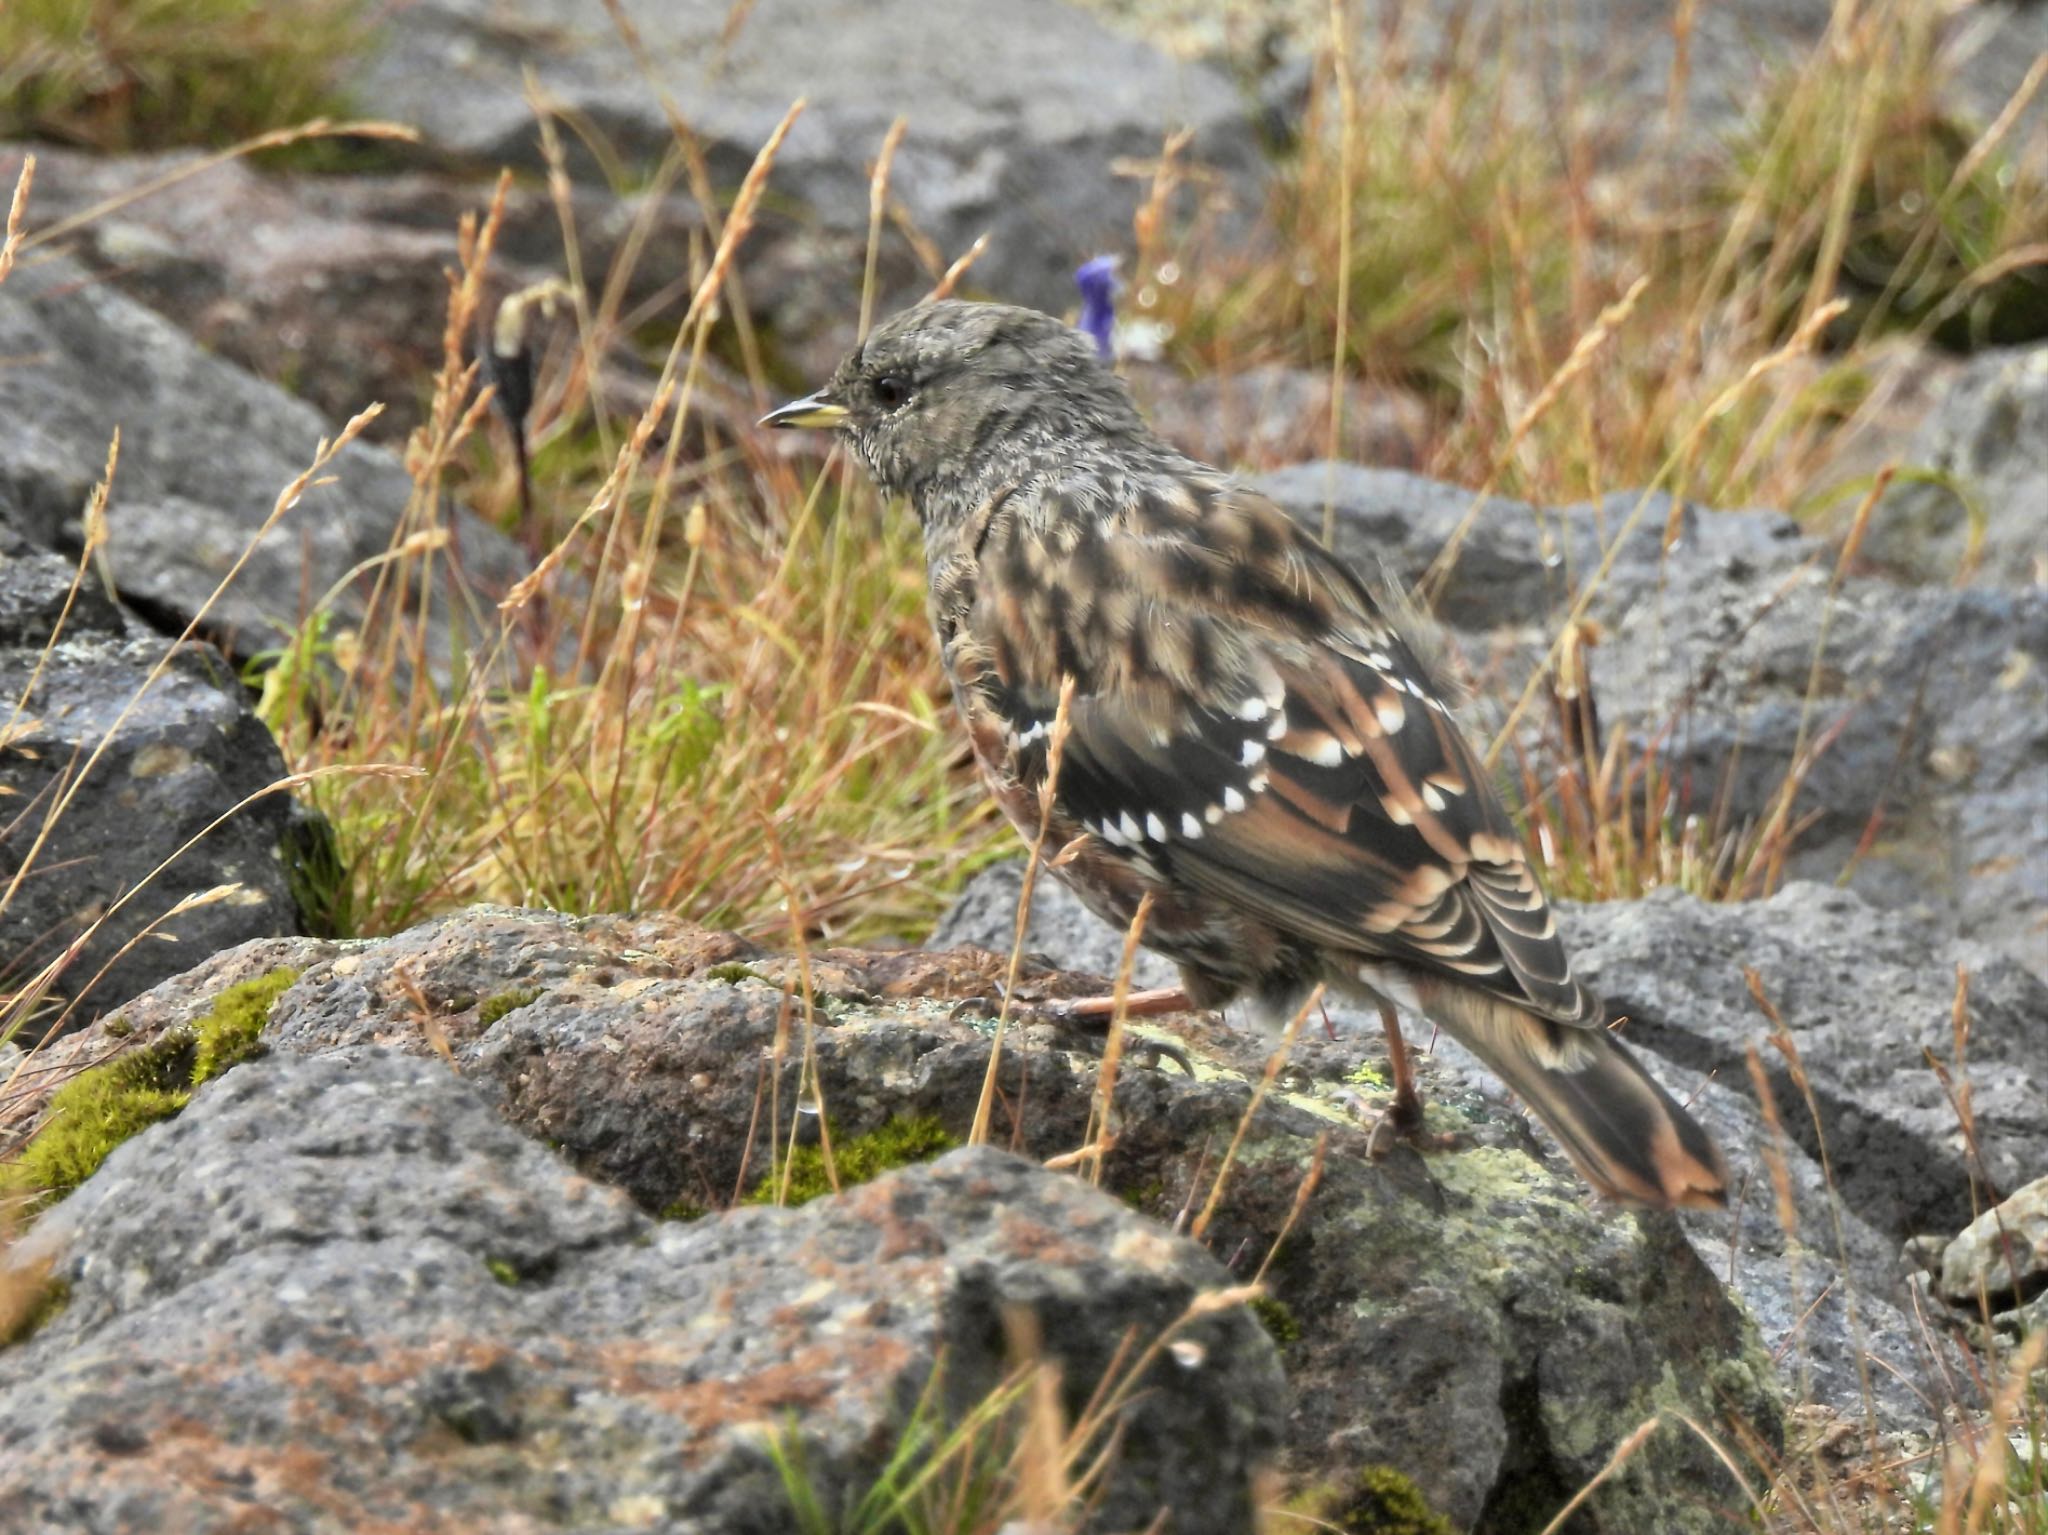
[(148, 74), (1478, 248)]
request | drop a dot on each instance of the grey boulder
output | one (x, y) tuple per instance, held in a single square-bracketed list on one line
[(206, 452), (188, 751), (1467, 1317), (1974, 501), (355, 1295), (1019, 115)]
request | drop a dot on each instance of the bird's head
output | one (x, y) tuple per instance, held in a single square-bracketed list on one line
[(948, 402)]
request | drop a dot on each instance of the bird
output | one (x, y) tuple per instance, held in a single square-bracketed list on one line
[(1246, 736)]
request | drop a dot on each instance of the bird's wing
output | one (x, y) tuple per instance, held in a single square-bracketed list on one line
[(1246, 721)]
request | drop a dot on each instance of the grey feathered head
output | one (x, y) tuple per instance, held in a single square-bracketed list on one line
[(948, 401)]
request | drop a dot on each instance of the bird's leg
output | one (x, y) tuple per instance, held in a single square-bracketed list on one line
[(1402, 1119)]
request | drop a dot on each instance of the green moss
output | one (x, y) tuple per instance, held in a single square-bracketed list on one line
[(505, 1002), (685, 1210), (502, 1271), (1384, 1502), (100, 1108), (903, 1140), (732, 974), (1143, 1196), (1274, 1316), (232, 1031), (41, 1312)]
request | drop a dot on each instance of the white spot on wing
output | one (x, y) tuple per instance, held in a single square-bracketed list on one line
[(1254, 751), (1190, 827), (1232, 800), (1155, 828), (1133, 832), (1253, 709)]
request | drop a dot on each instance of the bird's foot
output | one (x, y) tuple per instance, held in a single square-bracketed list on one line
[(1401, 1123)]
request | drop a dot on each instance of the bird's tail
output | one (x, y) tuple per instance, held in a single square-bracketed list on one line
[(1623, 1132)]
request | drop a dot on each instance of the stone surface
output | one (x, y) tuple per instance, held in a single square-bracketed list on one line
[(2002, 1255), (1920, 718), (1616, 53), (1270, 415), (349, 1293), (1018, 116), (335, 287), (206, 450), (1985, 515), (1865, 996), (1519, 564), (189, 750), (1832, 1288), (1468, 1317)]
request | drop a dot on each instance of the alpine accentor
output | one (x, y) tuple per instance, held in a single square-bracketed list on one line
[(1250, 739)]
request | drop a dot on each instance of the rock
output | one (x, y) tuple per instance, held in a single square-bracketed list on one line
[(1519, 564), (1865, 996), (353, 1288), (1987, 442), (1827, 1296), (1616, 54), (344, 312), (188, 752), (335, 286), (1467, 1318), (1927, 729), (1019, 115), (1268, 415), (2001, 1257), (206, 450)]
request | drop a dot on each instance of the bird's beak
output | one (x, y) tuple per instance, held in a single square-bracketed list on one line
[(819, 410)]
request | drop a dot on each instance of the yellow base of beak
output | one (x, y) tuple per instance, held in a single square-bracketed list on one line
[(813, 410)]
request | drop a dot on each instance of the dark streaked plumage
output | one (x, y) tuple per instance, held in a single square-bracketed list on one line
[(1251, 740)]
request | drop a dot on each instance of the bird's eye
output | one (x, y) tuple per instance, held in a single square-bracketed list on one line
[(891, 390)]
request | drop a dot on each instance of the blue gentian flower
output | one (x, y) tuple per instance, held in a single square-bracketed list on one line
[(1099, 286)]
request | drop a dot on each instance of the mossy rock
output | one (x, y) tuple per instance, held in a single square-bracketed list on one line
[(495, 1008), (898, 1143), (1378, 1501), (100, 1108), (1279, 1322)]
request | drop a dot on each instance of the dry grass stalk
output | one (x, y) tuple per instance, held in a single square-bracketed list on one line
[(1274, 1062), (1099, 1133), (1056, 746)]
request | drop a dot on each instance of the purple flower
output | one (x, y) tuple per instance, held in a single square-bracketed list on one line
[(1098, 284)]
